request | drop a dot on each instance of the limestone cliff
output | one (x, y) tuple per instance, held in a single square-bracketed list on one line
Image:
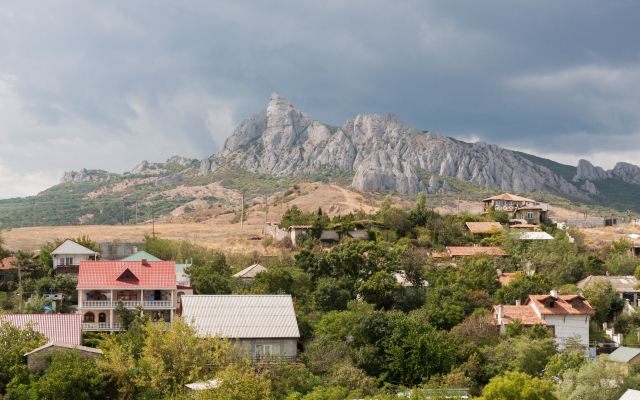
[(383, 151)]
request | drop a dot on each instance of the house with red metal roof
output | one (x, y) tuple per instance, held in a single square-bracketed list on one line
[(566, 315), (149, 284), (62, 328)]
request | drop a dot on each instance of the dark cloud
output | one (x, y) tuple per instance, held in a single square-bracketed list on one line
[(106, 85)]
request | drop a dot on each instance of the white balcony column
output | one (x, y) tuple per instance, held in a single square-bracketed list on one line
[(79, 298), (142, 297), (111, 298), (171, 317), (111, 319)]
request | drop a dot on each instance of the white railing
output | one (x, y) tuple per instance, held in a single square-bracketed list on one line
[(97, 303), (100, 326), (157, 304)]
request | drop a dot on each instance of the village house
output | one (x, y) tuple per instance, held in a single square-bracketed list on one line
[(624, 285), (150, 284), (7, 269), (36, 358), (533, 211), (250, 272), (68, 255), (629, 355), (182, 279), (264, 325), (61, 328), (463, 251), (119, 250), (567, 316)]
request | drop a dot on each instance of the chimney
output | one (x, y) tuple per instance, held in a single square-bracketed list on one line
[(517, 302), (604, 326), (499, 272), (144, 261), (554, 293), (501, 311)]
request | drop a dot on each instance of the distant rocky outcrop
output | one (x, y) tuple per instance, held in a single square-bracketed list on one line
[(589, 187), (284, 141), (141, 168), (586, 170), (76, 177), (627, 172), (179, 160), (168, 179), (206, 166)]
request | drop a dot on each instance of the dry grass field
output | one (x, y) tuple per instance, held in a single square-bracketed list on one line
[(210, 226)]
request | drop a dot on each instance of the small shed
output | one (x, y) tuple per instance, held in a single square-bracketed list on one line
[(250, 272), (629, 355), (625, 285), (36, 361)]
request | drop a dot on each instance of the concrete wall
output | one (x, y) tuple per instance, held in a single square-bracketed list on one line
[(329, 234), (275, 232), (36, 362), (123, 249), (288, 347), (361, 234)]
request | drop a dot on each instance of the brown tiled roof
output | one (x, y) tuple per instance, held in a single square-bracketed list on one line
[(483, 227), (508, 277), (621, 283), (563, 305), (459, 251), (439, 255), (526, 314), (525, 208), (7, 263), (511, 197), (300, 227)]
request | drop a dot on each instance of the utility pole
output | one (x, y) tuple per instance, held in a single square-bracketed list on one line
[(123, 211), (34, 213), (458, 203), (242, 212), (136, 209), (153, 216), (20, 284)]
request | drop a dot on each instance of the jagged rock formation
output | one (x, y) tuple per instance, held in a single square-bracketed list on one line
[(168, 179), (586, 170), (589, 187), (627, 172), (434, 185), (140, 168), (206, 166), (76, 177), (283, 141), (179, 160)]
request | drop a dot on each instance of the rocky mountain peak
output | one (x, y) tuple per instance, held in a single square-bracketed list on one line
[(586, 170)]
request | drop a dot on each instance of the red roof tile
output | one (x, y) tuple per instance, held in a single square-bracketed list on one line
[(526, 314), (7, 263), (508, 277), (484, 227), (459, 251), (562, 305), (64, 328), (512, 197), (105, 274)]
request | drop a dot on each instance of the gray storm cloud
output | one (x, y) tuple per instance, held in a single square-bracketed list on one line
[(108, 84)]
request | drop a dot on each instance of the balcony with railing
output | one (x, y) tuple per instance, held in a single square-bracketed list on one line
[(108, 304), (101, 326)]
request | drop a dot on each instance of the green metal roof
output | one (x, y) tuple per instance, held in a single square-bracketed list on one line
[(624, 354), (181, 267), (141, 255)]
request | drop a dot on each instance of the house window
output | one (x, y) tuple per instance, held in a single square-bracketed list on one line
[(69, 260), (552, 329), (113, 250), (102, 317), (550, 304), (529, 214), (61, 261), (577, 304), (180, 296), (89, 317), (267, 350)]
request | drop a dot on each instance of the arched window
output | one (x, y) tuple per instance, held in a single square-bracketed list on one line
[(90, 317), (180, 296), (102, 317)]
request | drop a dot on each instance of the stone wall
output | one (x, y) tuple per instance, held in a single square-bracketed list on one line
[(275, 232), (36, 361)]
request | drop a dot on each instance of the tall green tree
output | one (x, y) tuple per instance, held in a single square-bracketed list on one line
[(518, 386), (15, 343)]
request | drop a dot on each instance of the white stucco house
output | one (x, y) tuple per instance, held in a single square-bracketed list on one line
[(567, 316), (67, 257)]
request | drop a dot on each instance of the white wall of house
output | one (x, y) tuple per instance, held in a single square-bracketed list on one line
[(288, 347), (568, 326), (63, 259)]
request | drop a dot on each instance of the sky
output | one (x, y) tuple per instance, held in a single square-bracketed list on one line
[(105, 85)]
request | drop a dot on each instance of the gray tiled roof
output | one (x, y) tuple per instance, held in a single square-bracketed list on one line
[(620, 283), (631, 394), (242, 316), (624, 354)]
